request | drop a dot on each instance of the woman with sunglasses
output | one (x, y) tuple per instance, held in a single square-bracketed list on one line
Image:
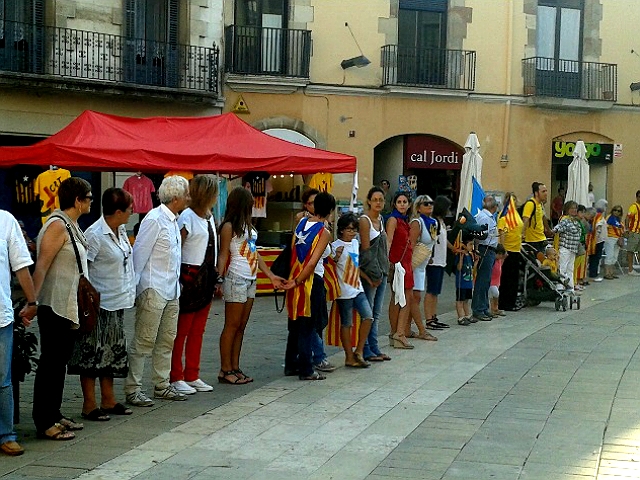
[(615, 232), (56, 279), (423, 229)]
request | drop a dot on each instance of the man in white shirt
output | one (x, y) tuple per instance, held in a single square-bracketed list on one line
[(14, 255), (156, 260)]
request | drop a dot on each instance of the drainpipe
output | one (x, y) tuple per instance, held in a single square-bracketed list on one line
[(506, 128)]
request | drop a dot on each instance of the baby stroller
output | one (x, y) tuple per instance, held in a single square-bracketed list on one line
[(539, 284)]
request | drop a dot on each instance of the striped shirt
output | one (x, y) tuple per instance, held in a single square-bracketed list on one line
[(633, 217)]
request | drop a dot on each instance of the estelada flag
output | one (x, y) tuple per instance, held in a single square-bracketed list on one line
[(331, 283), (332, 335), (510, 214), (303, 244)]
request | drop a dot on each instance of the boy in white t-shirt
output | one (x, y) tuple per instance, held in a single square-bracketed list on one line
[(346, 254)]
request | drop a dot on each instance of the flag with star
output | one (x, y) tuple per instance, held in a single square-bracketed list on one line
[(303, 244)]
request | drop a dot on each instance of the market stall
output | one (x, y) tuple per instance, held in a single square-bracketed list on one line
[(221, 144)]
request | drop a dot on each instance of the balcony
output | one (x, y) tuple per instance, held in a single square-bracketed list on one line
[(428, 67), (77, 59), (279, 52), (570, 80)]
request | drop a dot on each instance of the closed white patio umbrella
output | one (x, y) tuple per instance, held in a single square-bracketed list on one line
[(578, 180), (471, 167)]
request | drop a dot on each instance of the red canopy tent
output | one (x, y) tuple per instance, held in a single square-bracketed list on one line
[(223, 143)]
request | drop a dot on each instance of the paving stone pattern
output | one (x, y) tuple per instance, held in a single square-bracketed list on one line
[(538, 394)]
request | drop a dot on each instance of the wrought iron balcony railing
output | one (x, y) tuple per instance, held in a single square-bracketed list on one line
[(91, 56), (280, 52), (428, 67), (551, 77)]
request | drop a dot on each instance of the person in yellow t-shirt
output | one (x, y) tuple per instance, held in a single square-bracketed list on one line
[(46, 187), (632, 223), (534, 219)]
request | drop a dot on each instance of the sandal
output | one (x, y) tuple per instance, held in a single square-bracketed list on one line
[(426, 336), (413, 334), (70, 424), (464, 321), (232, 374), (96, 415), (385, 357), (240, 374), (375, 358), (60, 433), (400, 341), (313, 376), (432, 325), (117, 409)]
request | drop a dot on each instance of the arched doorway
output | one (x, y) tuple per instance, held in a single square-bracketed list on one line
[(434, 162)]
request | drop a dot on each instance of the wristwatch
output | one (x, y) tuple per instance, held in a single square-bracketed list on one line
[(33, 304)]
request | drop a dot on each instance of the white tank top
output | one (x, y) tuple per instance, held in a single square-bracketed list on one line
[(373, 233)]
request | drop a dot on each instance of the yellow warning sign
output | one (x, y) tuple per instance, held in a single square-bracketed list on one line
[(240, 106)]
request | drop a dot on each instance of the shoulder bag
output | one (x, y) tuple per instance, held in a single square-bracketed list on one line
[(199, 282), (88, 296), (421, 252)]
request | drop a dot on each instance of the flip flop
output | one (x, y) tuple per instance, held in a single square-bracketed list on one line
[(376, 358), (117, 409), (96, 415), (385, 357)]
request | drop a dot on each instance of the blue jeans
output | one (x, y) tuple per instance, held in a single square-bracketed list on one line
[(317, 348), (376, 300), (359, 303), (480, 301), (7, 433)]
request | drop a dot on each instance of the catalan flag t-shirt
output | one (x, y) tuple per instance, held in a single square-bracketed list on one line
[(348, 267), (46, 187)]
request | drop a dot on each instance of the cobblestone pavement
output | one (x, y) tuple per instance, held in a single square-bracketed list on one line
[(538, 394)]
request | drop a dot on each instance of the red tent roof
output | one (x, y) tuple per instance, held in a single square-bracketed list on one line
[(223, 143)]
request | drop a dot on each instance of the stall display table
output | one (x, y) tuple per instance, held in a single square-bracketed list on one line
[(268, 254)]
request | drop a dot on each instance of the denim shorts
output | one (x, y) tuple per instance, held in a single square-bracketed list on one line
[(360, 304), (238, 289)]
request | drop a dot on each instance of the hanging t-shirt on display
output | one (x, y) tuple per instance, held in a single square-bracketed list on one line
[(259, 185), (46, 187), (140, 187), (323, 182)]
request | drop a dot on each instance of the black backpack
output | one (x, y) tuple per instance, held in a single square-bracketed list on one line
[(533, 215)]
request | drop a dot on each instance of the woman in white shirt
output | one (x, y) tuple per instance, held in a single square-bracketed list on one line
[(198, 276), (102, 353), (239, 261)]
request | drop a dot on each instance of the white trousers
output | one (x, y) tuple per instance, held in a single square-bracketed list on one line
[(566, 261)]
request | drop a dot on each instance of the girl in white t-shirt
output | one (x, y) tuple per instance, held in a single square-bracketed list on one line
[(238, 263), (352, 297)]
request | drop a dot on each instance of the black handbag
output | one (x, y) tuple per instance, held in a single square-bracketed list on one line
[(281, 266), (199, 282)]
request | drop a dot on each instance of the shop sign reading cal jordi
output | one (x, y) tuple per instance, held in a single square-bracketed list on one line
[(428, 151)]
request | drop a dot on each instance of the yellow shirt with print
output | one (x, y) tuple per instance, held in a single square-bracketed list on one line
[(513, 236), (535, 232)]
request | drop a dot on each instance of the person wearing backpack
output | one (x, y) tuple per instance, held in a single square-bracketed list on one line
[(533, 217)]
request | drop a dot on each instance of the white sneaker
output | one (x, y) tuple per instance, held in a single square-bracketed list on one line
[(182, 387), (634, 273), (200, 386), (598, 279)]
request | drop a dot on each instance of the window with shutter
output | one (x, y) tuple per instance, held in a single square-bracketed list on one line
[(422, 40), (22, 35), (151, 31)]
